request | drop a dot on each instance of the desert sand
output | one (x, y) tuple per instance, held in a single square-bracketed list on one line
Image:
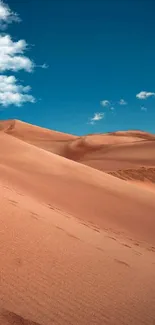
[(77, 229)]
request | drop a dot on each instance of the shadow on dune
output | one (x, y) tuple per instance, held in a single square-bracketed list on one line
[(12, 318)]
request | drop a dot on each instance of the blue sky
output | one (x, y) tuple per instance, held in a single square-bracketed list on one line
[(96, 51)]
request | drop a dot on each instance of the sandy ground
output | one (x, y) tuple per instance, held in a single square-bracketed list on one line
[(148, 185), (77, 245)]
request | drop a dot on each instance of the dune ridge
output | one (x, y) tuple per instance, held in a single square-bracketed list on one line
[(115, 151), (40, 137)]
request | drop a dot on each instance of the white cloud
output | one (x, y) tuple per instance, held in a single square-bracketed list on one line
[(122, 102), (11, 55), (105, 103), (6, 15), (145, 95), (112, 108), (12, 58), (15, 63), (96, 117), (13, 93), (144, 109), (9, 47)]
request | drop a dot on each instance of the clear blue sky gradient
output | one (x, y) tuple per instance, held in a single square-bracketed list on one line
[(96, 50)]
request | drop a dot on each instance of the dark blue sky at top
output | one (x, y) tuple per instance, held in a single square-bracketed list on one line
[(96, 50)]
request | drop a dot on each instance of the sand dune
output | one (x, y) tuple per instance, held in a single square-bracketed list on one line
[(77, 245), (78, 189), (123, 156), (46, 139), (106, 152)]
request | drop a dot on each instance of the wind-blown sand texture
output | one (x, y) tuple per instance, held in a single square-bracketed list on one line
[(77, 245)]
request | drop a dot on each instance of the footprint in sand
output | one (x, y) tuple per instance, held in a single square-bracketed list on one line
[(126, 245), (13, 202), (122, 262), (51, 207), (34, 215), (151, 249), (113, 238)]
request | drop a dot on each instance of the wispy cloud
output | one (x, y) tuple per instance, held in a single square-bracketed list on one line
[(145, 95), (122, 102), (43, 66), (108, 103), (112, 108), (96, 117), (6, 15), (11, 93), (144, 109), (105, 103)]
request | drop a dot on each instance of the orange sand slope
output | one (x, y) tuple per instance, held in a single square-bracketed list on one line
[(80, 190), (43, 138), (57, 270), (107, 152), (77, 246)]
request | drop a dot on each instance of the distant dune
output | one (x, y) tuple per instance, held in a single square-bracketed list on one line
[(116, 151), (77, 244)]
